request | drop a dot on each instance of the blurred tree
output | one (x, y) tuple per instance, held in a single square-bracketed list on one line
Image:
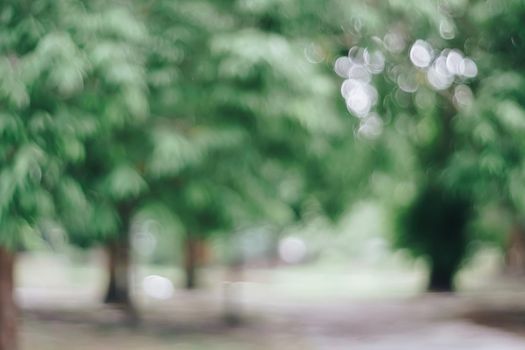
[(52, 64), (239, 138), (181, 79), (413, 71), (491, 163), (110, 175)]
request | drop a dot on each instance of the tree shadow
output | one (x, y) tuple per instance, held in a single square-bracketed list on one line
[(509, 319)]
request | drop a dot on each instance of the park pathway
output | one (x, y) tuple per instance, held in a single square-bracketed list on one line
[(193, 321)]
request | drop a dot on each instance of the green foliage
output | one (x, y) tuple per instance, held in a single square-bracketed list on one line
[(237, 135), (227, 114), (69, 74), (491, 161), (123, 182), (428, 123)]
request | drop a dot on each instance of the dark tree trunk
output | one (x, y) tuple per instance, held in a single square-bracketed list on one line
[(190, 262), (515, 251), (441, 280), (8, 309), (118, 265), (118, 270)]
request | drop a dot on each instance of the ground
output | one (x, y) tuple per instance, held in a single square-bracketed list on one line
[(297, 308)]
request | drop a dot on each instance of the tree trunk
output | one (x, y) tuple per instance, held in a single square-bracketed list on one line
[(8, 310), (190, 262), (118, 265), (515, 251), (441, 280), (118, 270)]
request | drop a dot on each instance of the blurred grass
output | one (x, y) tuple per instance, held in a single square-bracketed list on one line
[(392, 276)]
